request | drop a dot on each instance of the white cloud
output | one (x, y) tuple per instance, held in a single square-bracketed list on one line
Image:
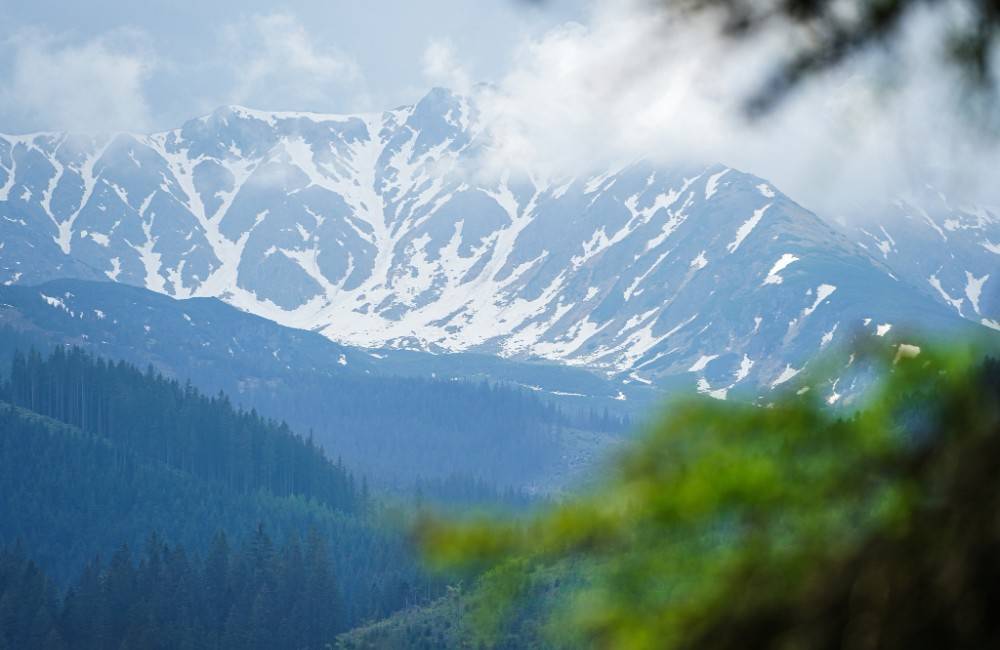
[(115, 81), (634, 82), (91, 86), (442, 68), (275, 64)]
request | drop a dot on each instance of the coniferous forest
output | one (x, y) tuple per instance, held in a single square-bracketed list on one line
[(115, 536), (223, 511), (257, 594), (164, 421), (392, 429)]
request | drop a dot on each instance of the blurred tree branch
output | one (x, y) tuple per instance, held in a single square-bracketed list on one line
[(828, 32), (730, 526), (823, 35)]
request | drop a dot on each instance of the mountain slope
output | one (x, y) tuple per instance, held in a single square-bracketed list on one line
[(930, 241), (69, 496), (476, 419), (383, 230)]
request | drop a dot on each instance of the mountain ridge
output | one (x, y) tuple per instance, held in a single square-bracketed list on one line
[(372, 230), (396, 415)]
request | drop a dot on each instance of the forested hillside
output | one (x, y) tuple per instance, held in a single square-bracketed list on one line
[(162, 420), (255, 595), (118, 454), (397, 416)]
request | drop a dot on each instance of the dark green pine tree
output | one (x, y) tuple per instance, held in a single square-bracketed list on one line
[(320, 596), (120, 597), (216, 586)]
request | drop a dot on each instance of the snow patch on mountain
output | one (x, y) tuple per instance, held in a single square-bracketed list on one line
[(783, 262), (384, 230)]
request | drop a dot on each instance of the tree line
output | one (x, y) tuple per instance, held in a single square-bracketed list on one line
[(161, 419), (110, 455), (257, 594)]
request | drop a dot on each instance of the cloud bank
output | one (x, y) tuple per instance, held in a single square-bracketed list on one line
[(639, 82), (269, 61), (274, 63), (441, 67), (96, 85), (630, 81)]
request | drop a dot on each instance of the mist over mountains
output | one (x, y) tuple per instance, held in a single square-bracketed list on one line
[(384, 230)]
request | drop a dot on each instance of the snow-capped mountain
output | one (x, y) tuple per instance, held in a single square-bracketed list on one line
[(954, 249), (378, 230)]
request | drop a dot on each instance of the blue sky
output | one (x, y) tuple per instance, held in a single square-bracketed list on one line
[(150, 65)]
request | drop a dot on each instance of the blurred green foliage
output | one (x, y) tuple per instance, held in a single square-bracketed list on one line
[(785, 525)]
